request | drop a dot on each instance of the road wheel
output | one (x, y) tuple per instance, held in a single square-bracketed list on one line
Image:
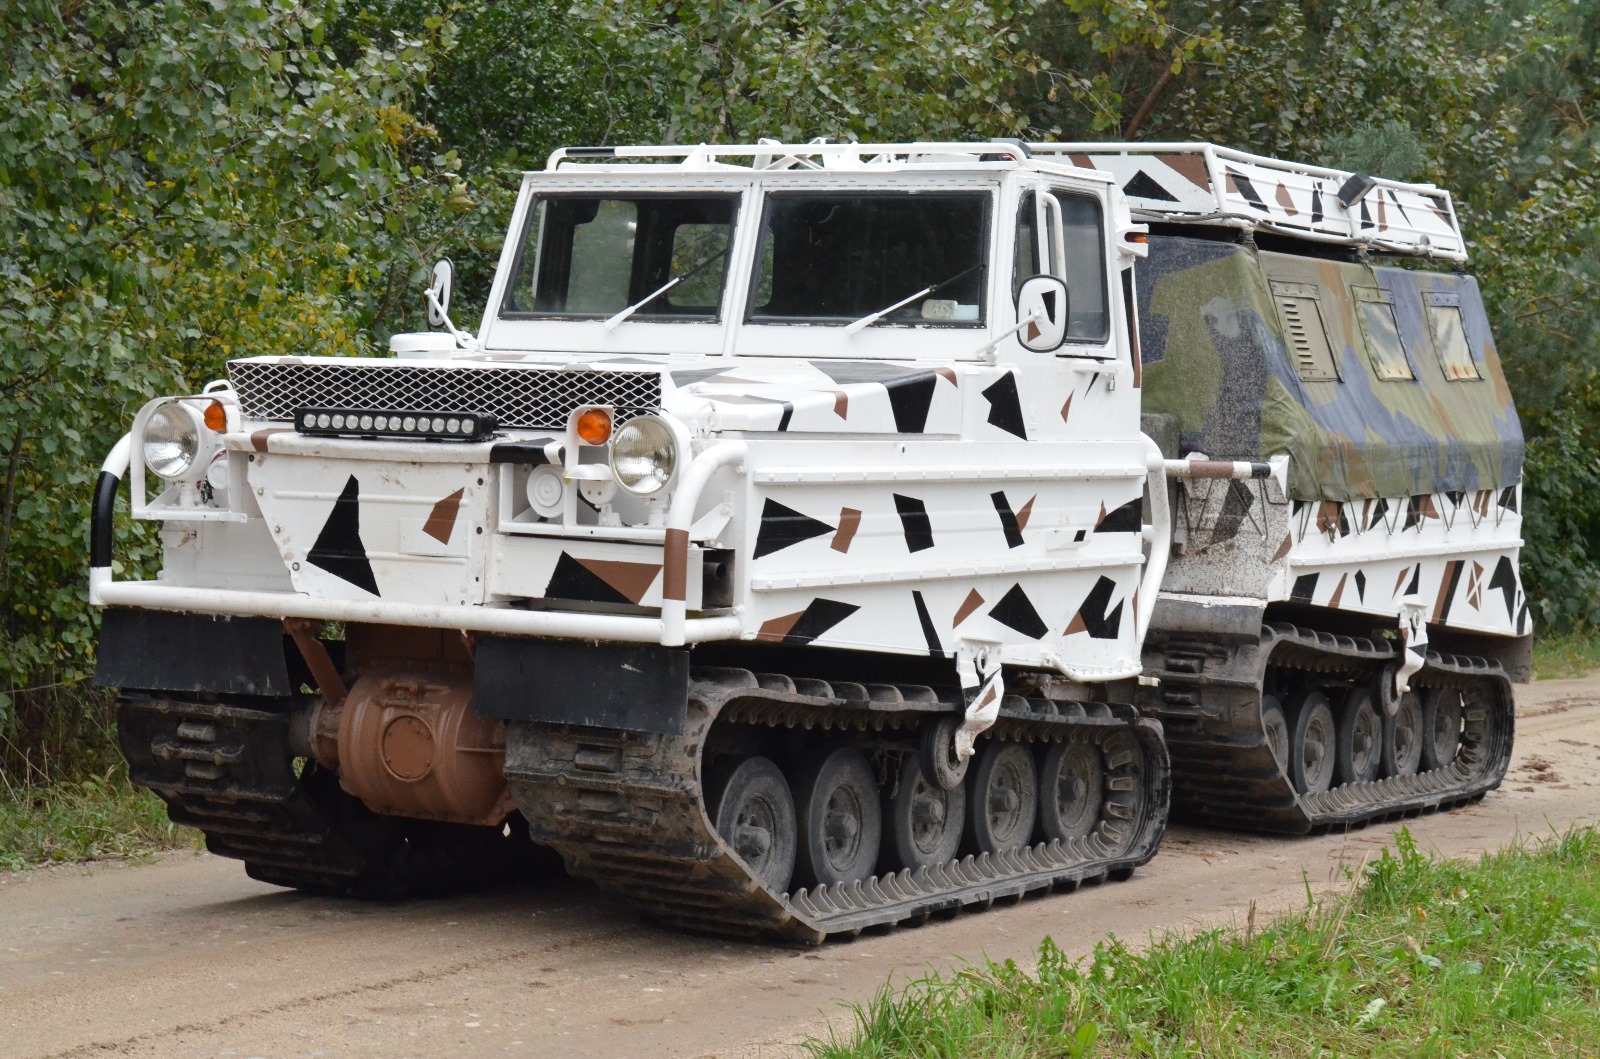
[(1004, 799), (1312, 745), (1072, 784), (1360, 739), (1276, 726), (755, 817), (924, 819), (1402, 737), (841, 818), (1441, 727)]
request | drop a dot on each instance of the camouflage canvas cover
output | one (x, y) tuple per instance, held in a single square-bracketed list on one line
[(1376, 381)]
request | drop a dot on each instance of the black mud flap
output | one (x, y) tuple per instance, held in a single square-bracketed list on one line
[(161, 651), (634, 687)]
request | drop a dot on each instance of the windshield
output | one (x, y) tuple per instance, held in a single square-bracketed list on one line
[(594, 256), (842, 258)]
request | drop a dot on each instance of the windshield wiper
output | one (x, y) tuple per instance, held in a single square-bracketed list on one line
[(612, 322), (872, 318)]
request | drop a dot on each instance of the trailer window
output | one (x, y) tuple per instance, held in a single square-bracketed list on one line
[(591, 256), (1382, 334), (839, 258), (1450, 339)]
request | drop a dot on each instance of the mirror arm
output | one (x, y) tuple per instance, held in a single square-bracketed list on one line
[(990, 352), (464, 339)]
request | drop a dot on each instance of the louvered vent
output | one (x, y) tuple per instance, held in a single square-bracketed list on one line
[(1304, 332)]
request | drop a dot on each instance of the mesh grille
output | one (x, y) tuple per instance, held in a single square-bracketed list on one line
[(536, 398)]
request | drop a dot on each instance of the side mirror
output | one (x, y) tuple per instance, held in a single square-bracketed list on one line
[(439, 293), (1045, 299)]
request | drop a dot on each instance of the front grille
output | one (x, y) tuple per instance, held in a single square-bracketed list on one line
[(532, 398)]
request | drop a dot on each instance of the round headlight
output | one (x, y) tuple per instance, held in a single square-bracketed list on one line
[(644, 455), (171, 440)]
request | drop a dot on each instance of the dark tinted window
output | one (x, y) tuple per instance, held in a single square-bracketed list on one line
[(592, 256), (841, 257)]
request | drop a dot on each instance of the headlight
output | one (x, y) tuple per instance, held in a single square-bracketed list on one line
[(171, 440), (644, 455)]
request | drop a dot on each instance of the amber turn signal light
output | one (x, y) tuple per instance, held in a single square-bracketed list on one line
[(216, 417), (594, 426)]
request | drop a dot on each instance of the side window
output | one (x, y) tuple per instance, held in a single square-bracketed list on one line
[(1027, 254), (1450, 337), (1375, 310), (1083, 267), (1307, 337)]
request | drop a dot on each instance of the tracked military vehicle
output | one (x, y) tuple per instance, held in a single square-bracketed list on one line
[(818, 537)]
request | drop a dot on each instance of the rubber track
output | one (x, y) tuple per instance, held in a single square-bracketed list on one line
[(224, 769), (626, 810), (1224, 774)]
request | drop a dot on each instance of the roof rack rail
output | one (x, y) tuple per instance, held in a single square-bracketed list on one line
[(817, 154), (1201, 183)]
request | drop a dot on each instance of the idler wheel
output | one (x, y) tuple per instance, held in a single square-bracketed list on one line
[(1441, 727), (1312, 745), (1004, 800), (755, 817), (841, 818), (1072, 784), (1402, 737), (1360, 739), (924, 819), (1276, 726)]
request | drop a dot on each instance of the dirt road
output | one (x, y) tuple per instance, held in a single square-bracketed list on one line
[(188, 957)]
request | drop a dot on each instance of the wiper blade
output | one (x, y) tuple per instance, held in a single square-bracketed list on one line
[(613, 321), (872, 318)]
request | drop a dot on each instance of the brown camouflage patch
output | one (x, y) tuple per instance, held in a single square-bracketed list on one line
[(632, 580), (1026, 513), (849, 522), (775, 629), (442, 520), (968, 605)]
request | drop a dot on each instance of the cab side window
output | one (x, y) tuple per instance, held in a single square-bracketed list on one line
[(1083, 267), (1026, 261)]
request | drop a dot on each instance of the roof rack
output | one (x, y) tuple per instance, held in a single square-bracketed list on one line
[(1203, 183), (818, 154)]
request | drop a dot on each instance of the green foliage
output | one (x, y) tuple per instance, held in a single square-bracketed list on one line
[(177, 184), (853, 69), (1426, 958), (100, 817)]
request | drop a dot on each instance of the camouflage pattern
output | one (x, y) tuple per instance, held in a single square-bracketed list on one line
[(1219, 356)]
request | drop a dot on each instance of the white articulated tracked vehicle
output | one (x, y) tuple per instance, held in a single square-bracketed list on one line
[(818, 537)]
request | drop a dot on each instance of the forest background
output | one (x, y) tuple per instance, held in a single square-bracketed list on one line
[(182, 182)]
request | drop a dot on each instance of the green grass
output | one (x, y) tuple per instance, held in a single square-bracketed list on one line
[(1422, 958), (91, 819), (1565, 654)]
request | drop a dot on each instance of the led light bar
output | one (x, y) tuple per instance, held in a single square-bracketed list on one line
[(384, 423)]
